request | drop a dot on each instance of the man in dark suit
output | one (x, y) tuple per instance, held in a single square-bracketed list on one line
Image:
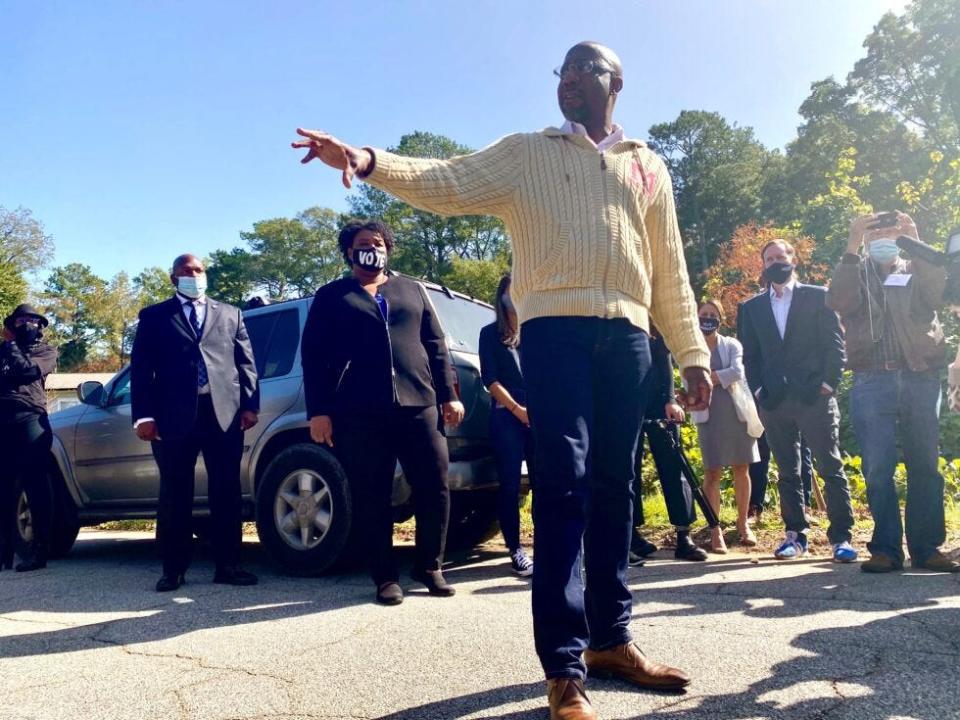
[(194, 389), (793, 356)]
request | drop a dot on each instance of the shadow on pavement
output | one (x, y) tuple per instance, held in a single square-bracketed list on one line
[(866, 671), (116, 574), (476, 702)]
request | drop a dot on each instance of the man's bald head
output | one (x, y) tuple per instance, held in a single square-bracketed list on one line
[(602, 51), (590, 79), (185, 261)]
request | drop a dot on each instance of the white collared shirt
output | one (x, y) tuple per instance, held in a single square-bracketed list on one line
[(781, 305), (781, 310), (573, 128), (200, 303)]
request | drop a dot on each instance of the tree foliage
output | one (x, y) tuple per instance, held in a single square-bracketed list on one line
[(24, 246), (736, 275), (427, 244), (719, 171), (13, 289)]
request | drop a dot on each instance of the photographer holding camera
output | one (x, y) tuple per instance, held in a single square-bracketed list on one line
[(897, 351), (25, 435)]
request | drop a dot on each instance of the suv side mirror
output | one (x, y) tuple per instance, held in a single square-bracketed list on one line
[(90, 392)]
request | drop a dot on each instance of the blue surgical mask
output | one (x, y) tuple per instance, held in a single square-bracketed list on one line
[(883, 250), (192, 287)]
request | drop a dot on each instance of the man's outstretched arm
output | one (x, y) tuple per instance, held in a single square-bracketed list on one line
[(481, 183)]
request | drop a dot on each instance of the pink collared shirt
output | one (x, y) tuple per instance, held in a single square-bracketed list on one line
[(572, 128)]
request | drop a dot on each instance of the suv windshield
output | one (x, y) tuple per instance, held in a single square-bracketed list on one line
[(462, 320)]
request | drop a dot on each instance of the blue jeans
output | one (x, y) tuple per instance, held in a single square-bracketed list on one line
[(882, 402), (512, 442), (585, 399)]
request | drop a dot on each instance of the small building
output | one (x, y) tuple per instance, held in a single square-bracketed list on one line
[(62, 388)]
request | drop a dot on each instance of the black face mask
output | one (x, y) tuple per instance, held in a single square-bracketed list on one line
[(27, 335), (778, 273), (371, 259), (709, 325)]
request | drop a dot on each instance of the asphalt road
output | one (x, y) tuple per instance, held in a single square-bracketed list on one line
[(88, 638)]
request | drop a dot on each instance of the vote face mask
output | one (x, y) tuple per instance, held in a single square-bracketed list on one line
[(778, 273), (883, 250), (192, 287), (372, 259), (709, 325)]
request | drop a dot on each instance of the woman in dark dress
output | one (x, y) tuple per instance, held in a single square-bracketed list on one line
[(509, 424), (25, 435), (375, 368)]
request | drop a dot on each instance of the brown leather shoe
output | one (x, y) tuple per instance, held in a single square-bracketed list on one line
[(881, 563), (628, 662), (568, 700), (938, 562)]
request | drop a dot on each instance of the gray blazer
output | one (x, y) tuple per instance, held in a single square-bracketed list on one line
[(164, 366)]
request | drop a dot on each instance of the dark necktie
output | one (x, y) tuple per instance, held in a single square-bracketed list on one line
[(202, 378)]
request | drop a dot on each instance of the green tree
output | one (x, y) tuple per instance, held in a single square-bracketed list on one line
[(477, 278), (230, 275), (836, 128), (912, 69), (427, 244), (284, 257), (24, 246), (72, 296), (13, 289), (115, 316), (152, 286), (719, 171)]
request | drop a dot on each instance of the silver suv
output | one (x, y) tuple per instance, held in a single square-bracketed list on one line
[(295, 490)]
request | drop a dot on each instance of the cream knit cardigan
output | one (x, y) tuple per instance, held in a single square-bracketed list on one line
[(592, 234)]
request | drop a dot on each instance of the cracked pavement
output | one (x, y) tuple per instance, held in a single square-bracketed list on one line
[(88, 638)]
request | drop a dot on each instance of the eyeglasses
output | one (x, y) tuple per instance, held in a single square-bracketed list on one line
[(581, 67)]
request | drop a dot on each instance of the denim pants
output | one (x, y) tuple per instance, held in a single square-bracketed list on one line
[(512, 443), (880, 403), (584, 380)]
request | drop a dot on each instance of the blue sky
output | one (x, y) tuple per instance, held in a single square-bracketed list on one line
[(139, 130)]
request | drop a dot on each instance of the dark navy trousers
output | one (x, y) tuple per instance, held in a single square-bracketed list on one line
[(584, 379)]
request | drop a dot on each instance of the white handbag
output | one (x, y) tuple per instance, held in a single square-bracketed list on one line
[(745, 407)]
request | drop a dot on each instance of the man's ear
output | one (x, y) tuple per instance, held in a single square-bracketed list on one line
[(616, 84)]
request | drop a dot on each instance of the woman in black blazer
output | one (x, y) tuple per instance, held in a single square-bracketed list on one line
[(375, 367)]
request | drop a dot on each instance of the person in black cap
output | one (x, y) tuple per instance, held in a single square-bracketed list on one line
[(25, 435)]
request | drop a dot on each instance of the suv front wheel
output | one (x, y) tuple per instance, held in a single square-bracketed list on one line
[(303, 509)]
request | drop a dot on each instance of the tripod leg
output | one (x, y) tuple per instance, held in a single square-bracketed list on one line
[(709, 515)]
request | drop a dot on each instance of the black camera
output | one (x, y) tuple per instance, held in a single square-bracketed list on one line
[(949, 260)]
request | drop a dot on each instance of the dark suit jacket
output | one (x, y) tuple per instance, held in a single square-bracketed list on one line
[(353, 361), (810, 353), (164, 366)]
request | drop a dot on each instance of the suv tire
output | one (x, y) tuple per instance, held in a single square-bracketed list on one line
[(64, 525), (304, 510), (473, 518)]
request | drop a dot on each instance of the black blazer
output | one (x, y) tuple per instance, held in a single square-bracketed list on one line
[(353, 361), (165, 358), (810, 353), (658, 385)]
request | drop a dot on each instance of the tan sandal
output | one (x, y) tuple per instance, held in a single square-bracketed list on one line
[(747, 537), (717, 544)]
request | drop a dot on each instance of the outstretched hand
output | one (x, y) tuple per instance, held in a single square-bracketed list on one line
[(333, 152)]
